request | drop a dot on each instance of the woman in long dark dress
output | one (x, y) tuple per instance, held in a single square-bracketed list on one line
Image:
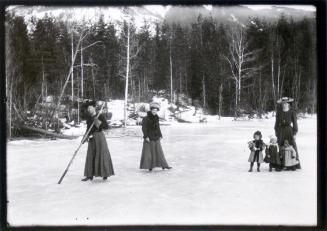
[(286, 126), (152, 153), (98, 160)]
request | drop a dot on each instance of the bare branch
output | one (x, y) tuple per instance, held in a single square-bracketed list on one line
[(83, 48)]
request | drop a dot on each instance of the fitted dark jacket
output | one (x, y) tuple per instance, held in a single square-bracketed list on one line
[(286, 127), (150, 127), (103, 125)]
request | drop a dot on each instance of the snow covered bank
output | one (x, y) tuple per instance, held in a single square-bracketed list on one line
[(209, 182)]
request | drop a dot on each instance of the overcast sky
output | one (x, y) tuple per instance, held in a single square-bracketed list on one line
[(300, 7)]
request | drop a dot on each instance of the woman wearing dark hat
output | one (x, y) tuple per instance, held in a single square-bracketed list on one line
[(152, 153), (98, 160), (286, 125)]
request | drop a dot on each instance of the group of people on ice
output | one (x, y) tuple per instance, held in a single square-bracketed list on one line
[(281, 153), (98, 160)]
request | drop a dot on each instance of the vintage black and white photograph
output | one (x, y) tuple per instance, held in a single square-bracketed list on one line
[(161, 115)]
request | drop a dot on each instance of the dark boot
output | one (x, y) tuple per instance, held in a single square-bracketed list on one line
[(258, 167), (251, 167), (150, 169), (166, 167), (87, 178), (105, 178), (270, 168)]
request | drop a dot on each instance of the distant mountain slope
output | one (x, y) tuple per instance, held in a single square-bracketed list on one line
[(184, 15), (189, 14)]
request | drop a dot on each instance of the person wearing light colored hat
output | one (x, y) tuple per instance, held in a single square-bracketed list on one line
[(286, 126), (272, 155), (152, 153)]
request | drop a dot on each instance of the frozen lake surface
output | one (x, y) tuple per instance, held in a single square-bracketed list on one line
[(209, 182)]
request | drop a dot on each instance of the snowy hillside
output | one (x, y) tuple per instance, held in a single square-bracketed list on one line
[(159, 13), (112, 14)]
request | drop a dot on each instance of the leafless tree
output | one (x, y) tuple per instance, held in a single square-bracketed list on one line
[(239, 60)]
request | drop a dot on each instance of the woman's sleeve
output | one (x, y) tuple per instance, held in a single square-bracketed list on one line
[(144, 128), (294, 121), (104, 125), (159, 130), (250, 144), (276, 123)]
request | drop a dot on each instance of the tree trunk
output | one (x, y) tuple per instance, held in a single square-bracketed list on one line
[(273, 81), (67, 79), (278, 79), (43, 81), (282, 84), (78, 108), (171, 73), (220, 104), (72, 77), (93, 81), (203, 92), (127, 74), (45, 132), (236, 98), (260, 95), (82, 77), (24, 98), (139, 98)]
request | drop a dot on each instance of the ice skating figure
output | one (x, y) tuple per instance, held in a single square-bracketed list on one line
[(273, 156), (152, 153), (98, 160), (288, 154), (256, 146), (286, 126)]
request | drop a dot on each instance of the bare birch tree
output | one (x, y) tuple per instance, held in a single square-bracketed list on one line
[(239, 60), (130, 52)]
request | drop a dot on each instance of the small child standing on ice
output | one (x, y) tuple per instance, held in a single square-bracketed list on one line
[(272, 155), (256, 146), (289, 156)]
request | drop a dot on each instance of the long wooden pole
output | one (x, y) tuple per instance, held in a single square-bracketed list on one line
[(75, 153)]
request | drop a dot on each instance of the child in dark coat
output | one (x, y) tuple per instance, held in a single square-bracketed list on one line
[(256, 146), (272, 155)]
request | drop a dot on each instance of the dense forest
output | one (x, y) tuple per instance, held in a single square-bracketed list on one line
[(225, 68)]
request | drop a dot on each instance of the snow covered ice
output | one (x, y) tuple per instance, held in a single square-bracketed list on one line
[(209, 182)]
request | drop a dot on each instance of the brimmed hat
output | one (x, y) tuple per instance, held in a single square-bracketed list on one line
[(154, 105), (285, 100), (88, 103)]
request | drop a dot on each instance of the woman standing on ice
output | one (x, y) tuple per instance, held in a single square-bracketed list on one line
[(152, 153), (98, 160), (286, 126)]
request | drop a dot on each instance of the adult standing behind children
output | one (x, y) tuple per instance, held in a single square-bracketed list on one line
[(286, 126), (98, 160), (152, 153)]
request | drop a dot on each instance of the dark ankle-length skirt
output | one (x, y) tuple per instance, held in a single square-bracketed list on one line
[(152, 155), (98, 160)]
